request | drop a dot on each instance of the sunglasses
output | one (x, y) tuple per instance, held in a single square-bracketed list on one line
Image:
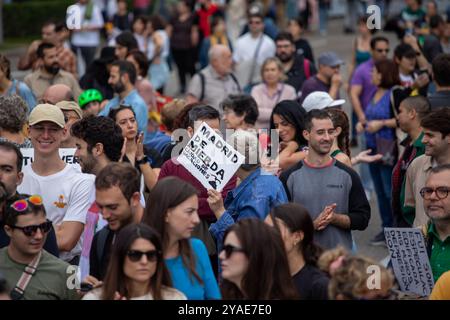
[(441, 192), (135, 255), (31, 230), (229, 250), (23, 204)]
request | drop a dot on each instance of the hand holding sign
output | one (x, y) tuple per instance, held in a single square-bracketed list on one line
[(210, 159), (215, 202)]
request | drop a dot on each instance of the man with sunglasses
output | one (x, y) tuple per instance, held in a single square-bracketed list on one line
[(33, 273), (10, 177), (436, 200), (436, 138), (65, 190)]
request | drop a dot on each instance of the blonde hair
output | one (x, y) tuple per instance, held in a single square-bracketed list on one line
[(170, 111), (350, 279), (279, 65)]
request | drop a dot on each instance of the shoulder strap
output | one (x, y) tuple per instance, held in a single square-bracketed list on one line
[(307, 68), (202, 85), (255, 58), (19, 290), (235, 81), (101, 242)]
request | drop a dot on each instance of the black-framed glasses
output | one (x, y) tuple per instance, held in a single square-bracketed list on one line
[(31, 230), (229, 250), (136, 255), (441, 192)]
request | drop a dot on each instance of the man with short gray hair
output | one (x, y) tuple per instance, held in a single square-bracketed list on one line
[(215, 82)]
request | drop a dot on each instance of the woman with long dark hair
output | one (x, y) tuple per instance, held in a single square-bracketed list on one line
[(172, 209), (136, 270), (254, 263), (297, 230), (381, 138), (287, 118)]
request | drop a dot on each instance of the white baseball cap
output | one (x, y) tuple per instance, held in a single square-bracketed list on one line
[(320, 100)]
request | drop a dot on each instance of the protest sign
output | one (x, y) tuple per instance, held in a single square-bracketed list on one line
[(408, 253), (66, 154), (210, 159)]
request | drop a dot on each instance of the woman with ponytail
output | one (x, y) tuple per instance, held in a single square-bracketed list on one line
[(296, 228), (341, 145)]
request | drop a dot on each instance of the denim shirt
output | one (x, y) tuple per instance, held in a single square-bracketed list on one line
[(253, 198), (136, 102)]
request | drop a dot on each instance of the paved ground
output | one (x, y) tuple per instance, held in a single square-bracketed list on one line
[(336, 41)]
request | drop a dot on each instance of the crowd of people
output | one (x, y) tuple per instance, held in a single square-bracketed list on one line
[(132, 222)]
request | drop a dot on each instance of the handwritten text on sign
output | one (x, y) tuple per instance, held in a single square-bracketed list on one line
[(210, 159), (66, 154), (409, 258)]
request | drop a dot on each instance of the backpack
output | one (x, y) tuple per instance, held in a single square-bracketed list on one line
[(307, 68), (203, 80)]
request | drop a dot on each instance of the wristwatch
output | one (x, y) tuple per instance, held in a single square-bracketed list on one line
[(144, 160)]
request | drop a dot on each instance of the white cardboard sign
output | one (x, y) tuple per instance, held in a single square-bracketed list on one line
[(408, 252), (210, 159), (66, 154)]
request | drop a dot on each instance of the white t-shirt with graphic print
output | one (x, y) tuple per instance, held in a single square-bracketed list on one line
[(65, 194)]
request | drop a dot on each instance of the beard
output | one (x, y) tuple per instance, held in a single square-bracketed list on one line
[(285, 57), (119, 87), (88, 164), (53, 69)]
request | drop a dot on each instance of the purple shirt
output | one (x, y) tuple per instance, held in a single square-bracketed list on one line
[(363, 77), (311, 85)]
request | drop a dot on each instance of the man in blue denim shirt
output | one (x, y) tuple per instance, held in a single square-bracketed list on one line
[(122, 78), (254, 197)]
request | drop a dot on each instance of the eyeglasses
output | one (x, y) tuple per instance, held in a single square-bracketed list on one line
[(135, 255), (441, 192), (22, 204), (229, 250), (31, 230), (382, 50)]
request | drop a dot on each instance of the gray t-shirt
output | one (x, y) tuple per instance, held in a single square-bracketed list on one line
[(316, 188)]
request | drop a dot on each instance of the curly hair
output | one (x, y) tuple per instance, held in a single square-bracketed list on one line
[(13, 113), (102, 130), (350, 280)]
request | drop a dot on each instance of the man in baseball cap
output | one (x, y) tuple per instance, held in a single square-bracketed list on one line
[(320, 100), (65, 191), (72, 113), (327, 79)]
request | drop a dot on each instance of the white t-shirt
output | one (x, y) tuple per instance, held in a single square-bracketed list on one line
[(88, 38), (167, 294), (66, 196), (246, 46)]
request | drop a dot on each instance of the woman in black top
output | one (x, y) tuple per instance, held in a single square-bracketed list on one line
[(147, 161), (297, 231)]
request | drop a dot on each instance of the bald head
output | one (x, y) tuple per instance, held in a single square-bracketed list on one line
[(57, 93), (220, 59)]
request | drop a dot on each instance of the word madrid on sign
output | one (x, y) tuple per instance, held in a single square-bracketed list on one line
[(66, 154), (210, 159), (408, 253)]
